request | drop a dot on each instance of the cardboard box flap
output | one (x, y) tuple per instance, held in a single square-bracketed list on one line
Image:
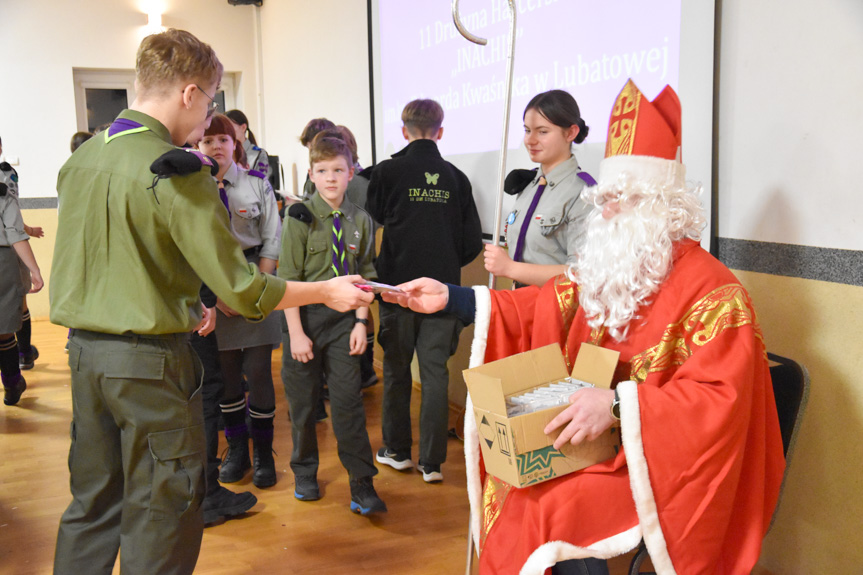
[(520, 371), (595, 365), (485, 391)]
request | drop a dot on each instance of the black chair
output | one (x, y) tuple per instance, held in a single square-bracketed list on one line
[(275, 181), (791, 390)]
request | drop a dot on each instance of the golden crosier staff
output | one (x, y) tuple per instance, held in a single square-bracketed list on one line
[(495, 238)]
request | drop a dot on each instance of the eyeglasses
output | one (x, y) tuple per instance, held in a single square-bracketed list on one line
[(214, 105)]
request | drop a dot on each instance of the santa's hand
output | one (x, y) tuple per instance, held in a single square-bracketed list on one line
[(588, 417), (423, 295), (497, 261)]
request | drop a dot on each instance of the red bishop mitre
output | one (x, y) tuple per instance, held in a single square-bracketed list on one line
[(644, 138)]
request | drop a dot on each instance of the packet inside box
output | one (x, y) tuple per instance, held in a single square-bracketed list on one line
[(515, 449)]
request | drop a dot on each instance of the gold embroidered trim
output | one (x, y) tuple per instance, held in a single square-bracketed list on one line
[(724, 308), (567, 302), (494, 496), (623, 122)]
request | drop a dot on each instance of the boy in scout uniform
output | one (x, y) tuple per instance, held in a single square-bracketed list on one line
[(328, 236), (140, 226)]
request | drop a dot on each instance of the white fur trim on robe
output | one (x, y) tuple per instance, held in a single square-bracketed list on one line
[(482, 318), (639, 478), (556, 551)]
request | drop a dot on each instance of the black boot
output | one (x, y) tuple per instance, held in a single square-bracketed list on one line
[(265, 465), (14, 389), (236, 462), (224, 503)]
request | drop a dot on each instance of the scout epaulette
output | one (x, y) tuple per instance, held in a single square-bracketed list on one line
[(258, 174), (300, 212), (517, 180), (179, 162), (3, 188)]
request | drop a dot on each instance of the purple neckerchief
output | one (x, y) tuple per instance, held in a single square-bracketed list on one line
[(122, 125), (519, 245), (223, 195)]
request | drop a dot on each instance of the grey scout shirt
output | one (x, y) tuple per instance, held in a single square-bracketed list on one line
[(254, 211), (307, 247), (559, 221)]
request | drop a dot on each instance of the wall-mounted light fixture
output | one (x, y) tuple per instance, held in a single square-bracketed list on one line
[(154, 23), (153, 9)]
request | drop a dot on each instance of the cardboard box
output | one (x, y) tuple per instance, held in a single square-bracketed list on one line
[(515, 449)]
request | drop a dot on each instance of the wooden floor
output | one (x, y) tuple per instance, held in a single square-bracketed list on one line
[(423, 533)]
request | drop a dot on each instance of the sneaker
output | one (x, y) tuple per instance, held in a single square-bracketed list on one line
[(13, 393), (26, 360), (225, 503), (431, 473), (364, 498), (306, 488), (395, 460)]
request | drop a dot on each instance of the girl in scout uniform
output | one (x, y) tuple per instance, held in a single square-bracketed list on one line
[(245, 348), (548, 217), (256, 157), (14, 250)]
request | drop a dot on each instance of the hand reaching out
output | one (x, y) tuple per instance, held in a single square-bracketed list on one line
[(423, 295)]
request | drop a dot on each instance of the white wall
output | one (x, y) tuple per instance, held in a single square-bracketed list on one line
[(315, 65), (790, 84), (41, 41)]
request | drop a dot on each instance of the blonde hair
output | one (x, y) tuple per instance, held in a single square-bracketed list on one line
[(175, 56), (325, 147)]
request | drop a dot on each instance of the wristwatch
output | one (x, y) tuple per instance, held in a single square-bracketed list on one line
[(361, 320), (615, 406)]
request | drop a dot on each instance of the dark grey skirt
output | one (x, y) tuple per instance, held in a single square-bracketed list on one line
[(11, 291), (239, 333)]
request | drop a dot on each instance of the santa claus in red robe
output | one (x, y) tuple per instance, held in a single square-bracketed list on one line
[(701, 463)]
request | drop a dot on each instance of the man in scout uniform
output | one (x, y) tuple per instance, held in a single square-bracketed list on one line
[(140, 226)]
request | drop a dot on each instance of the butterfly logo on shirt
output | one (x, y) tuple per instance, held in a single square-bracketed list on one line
[(431, 179)]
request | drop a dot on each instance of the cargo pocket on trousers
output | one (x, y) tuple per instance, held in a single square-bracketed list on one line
[(178, 471)]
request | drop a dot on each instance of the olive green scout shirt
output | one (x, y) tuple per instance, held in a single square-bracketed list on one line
[(129, 258), (307, 247)]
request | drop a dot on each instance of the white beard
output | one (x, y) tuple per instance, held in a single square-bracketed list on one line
[(622, 262)]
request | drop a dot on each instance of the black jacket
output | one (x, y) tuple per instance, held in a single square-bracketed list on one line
[(431, 226)]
